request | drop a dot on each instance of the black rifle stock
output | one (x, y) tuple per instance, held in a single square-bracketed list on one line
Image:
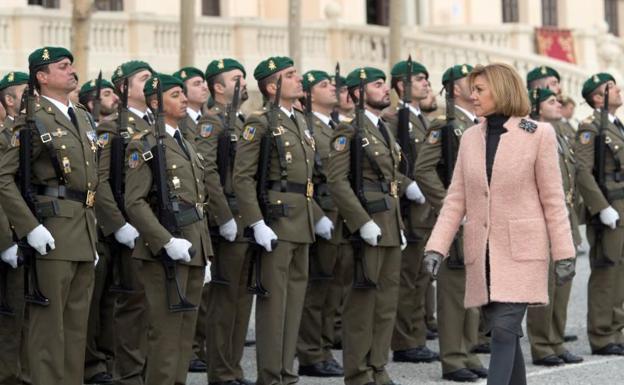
[(97, 99), (335, 114)]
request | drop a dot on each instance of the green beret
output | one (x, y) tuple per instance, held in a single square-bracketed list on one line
[(312, 77), (538, 95), (187, 73), (129, 68), (167, 82), (272, 65), (594, 82), (13, 79), (369, 74), (540, 73), (459, 71), (216, 67), (400, 69), (91, 86), (48, 55)]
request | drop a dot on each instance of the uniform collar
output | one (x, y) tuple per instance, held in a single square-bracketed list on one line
[(195, 115), (611, 116), (372, 117), (469, 114), (287, 112), (137, 112), (415, 110), (324, 118), (171, 130), (62, 107)]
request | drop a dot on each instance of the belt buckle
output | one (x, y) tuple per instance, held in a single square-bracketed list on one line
[(199, 207), (394, 188), (309, 189), (569, 198), (90, 201)]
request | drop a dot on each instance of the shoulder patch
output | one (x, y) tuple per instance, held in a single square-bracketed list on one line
[(249, 133), (206, 130), (103, 139), (528, 125), (134, 159), (585, 137), (340, 143), (434, 137)]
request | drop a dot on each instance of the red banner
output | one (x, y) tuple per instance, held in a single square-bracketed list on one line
[(555, 43)]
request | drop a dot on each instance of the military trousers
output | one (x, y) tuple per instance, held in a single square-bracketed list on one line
[(11, 328), (410, 330), (199, 340), (130, 323), (100, 336), (57, 332), (605, 291), (339, 289), (316, 334), (285, 276), (546, 324), (170, 335), (459, 327), (228, 312), (369, 316)]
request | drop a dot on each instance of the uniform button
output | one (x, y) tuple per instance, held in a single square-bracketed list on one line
[(307, 160), (200, 196), (485, 193), (146, 244), (197, 180), (87, 162), (88, 184)]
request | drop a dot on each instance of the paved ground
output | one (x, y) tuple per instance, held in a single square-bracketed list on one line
[(594, 371)]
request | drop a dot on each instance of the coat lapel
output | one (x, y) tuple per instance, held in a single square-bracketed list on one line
[(373, 130), (59, 118), (172, 144)]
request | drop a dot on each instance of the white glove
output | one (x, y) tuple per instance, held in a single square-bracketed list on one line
[(207, 276), (39, 238), (413, 193), (10, 256), (403, 241), (324, 228), (126, 235), (609, 217), (228, 230), (370, 233), (97, 259), (263, 235), (178, 249)]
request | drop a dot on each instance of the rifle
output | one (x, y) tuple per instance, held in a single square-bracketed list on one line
[(600, 151), (268, 210), (360, 276), (225, 154), (35, 297), (335, 114), (167, 207), (97, 100), (116, 180)]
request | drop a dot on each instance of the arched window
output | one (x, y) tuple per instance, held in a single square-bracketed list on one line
[(378, 12), (510, 11), (549, 13)]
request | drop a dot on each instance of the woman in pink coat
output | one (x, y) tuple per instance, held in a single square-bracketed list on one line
[(507, 192)]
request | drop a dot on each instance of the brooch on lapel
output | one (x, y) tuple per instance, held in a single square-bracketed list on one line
[(528, 126)]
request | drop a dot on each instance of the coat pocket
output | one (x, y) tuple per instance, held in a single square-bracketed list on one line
[(471, 243), (528, 239)]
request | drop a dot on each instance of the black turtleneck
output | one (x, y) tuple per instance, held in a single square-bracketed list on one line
[(494, 130)]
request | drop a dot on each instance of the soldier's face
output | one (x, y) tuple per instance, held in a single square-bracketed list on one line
[(109, 101), (230, 78), (60, 76), (550, 109), (291, 84), (324, 94), (196, 90), (2, 112), (175, 103), (136, 84), (346, 103), (420, 86), (377, 94), (615, 97), (482, 98)]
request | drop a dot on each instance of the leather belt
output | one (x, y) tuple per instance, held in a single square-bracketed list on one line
[(391, 188), (189, 214), (62, 192), (306, 189)]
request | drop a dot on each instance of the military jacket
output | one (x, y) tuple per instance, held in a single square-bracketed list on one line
[(594, 198), (110, 217), (299, 147), (185, 180), (73, 223), (567, 130), (188, 127), (387, 156), (6, 235)]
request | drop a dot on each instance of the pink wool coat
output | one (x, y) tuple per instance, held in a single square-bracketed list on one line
[(521, 215)]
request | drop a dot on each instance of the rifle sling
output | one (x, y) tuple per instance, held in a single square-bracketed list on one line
[(46, 139), (281, 158)]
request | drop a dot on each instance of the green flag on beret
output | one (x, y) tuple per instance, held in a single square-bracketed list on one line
[(538, 95), (48, 55), (13, 79), (594, 82), (129, 68), (313, 77), (540, 73), (458, 71), (91, 86), (272, 65), (187, 73), (167, 82), (219, 66), (400, 69), (368, 74)]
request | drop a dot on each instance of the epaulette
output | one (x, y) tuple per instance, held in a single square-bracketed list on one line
[(139, 135), (589, 119), (81, 106), (259, 112)]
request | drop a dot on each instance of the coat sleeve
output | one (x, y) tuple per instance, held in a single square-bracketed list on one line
[(453, 208), (550, 190), (593, 197), (425, 170)]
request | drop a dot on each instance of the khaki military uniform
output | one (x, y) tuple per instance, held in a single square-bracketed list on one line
[(228, 306), (171, 334), (188, 127), (369, 314), (285, 269), (56, 343), (10, 326), (606, 286), (410, 329), (129, 315), (316, 334), (458, 326)]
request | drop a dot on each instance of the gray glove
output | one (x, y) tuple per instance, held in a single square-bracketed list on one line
[(565, 270), (432, 262)]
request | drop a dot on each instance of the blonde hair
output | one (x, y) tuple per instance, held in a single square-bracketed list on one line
[(508, 91)]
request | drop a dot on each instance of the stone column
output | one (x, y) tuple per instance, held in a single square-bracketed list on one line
[(81, 24), (294, 33), (187, 28)]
